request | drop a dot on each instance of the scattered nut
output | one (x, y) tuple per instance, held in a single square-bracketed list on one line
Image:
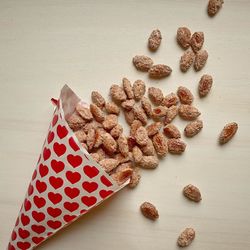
[(186, 237), (143, 63), (122, 175), (117, 93), (128, 88), (139, 89), (112, 108), (128, 104), (97, 113), (188, 112), (149, 211), (148, 149), (154, 128), (170, 100), (171, 113), (159, 112), (97, 99), (131, 143), (187, 60), (123, 145), (109, 164), (75, 121), (228, 132), (135, 178), (109, 143), (192, 193), (91, 139), (200, 59), (139, 114), (197, 41), (159, 71), (160, 144), (214, 6), (171, 131), (146, 105), (193, 128), (141, 136), (110, 121), (122, 159), (129, 116), (137, 154), (183, 37), (95, 157), (149, 162), (154, 40), (205, 85), (84, 112), (134, 126), (185, 95), (80, 135), (93, 124), (176, 146), (155, 95)]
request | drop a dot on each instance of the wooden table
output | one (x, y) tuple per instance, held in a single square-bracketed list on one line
[(89, 45)]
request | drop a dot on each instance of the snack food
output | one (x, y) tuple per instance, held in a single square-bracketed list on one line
[(159, 71), (186, 237), (205, 85), (214, 6), (228, 132), (149, 211), (192, 193), (154, 40), (183, 37), (143, 63)]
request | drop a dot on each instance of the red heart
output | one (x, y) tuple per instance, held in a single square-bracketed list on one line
[(74, 160), (38, 216), (38, 229), (23, 233), (17, 221), (13, 235), (54, 197), (54, 121), (56, 182), (88, 200), (105, 193), (25, 219), (91, 172), (41, 186), (39, 201), (10, 247), (90, 186), (23, 245), (106, 181), (54, 224), (54, 212), (59, 149), (49, 233), (43, 170), (30, 190), (46, 153), (73, 144), (27, 205), (69, 218), (37, 240), (50, 137), (71, 206), (34, 175), (83, 211), (57, 166), (72, 192), (73, 177), (61, 131)]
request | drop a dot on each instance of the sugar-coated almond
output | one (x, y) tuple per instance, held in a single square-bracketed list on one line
[(197, 41), (171, 113), (148, 162), (155, 95), (171, 131), (143, 63), (200, 59), (192, 193), (122, 175), (128, 104), (149, 211), (127, 86), (134, 126), (170, 100), (112, 108), (139, 114), (135, 178), (205, 85), (109, 143), (97, 99), (159, 112), (183, 37), (109, 164), (84, 112), (193, 128), (228, 132), (137, 154), (146, 105), (186, 237), (116, 131), (176, 146), (154, 128), (185, 95), (214, 6), (188, 112), (97, 113), (117, 93), (159, 71), (75, 121), (160, 144), (154, 40), (110, 121), (141, 136), (123, 145), (80, 135), (187, 60), (139, 89), (129, 116), (148, 149)]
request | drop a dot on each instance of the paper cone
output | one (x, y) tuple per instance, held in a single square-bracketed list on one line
[(66, 183)]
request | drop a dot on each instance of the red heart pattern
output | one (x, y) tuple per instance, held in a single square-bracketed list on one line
[(64, 185)]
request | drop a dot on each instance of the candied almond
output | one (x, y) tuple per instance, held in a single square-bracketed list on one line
[(139, 89), (134, 126), (188, 112), (112, 108), (183, 37), (159, 71), (148, 162), (148, 149), (214, 6), (205, 85), (109, 143), (109, 164), (80, 135), (192, 193), (139, 114), (197, 41), (159, 112), (123, 145), (142, 63), (185, 95), (116, 131), (91, 139), (193, 128), (95, 157), (141, 136), (97, 113), (121, 176), (110, 121), (176, 146), (128, 104), (153, 128), (200, 59), (187, 60), (137, 154), (146, 105), (97, 99), (186, 237), (155, 95), (135, 178), (149, 211), (154, 40), (170, 100), (129, 116), (228, 132), (75, 121), (84, 112), (117, 93), (127, 86), (160, 144), (171, 131), (172, 112)]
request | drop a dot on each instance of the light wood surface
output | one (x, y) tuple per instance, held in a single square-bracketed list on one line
[(89, 45)]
